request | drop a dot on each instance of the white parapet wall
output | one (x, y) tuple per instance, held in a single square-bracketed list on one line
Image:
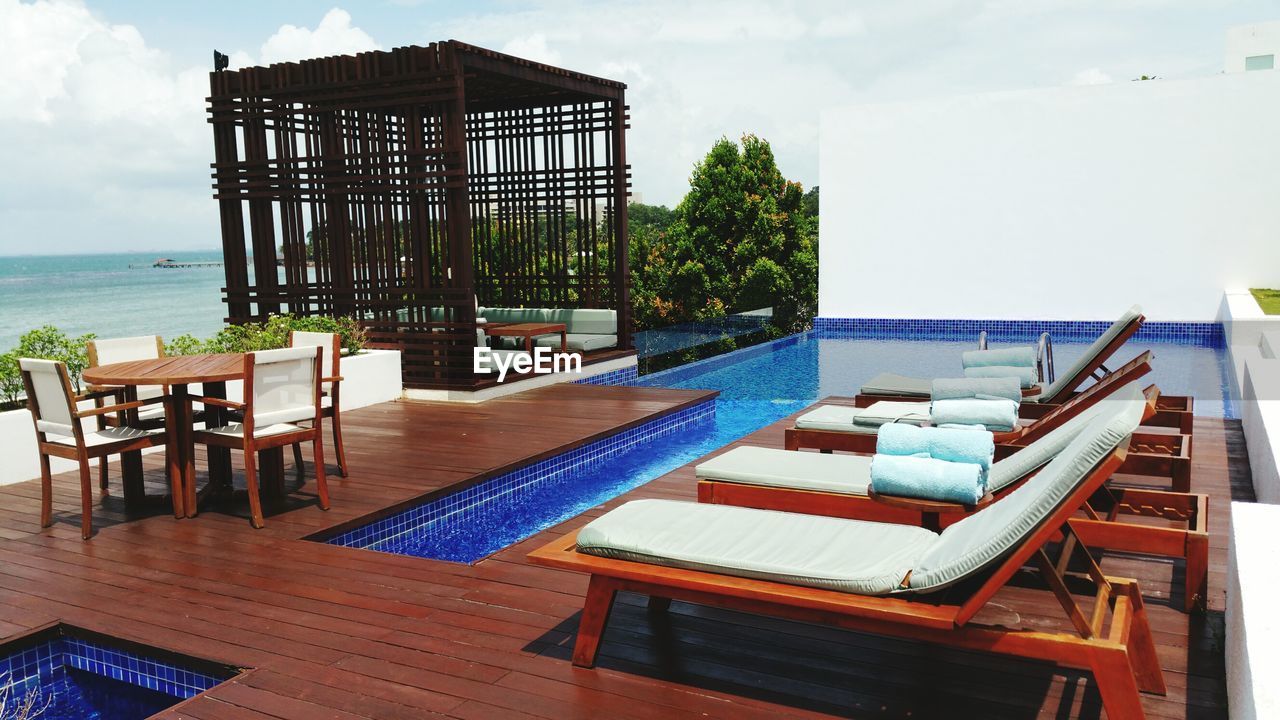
[(1253, 627), (1067, 203), (371, 377)]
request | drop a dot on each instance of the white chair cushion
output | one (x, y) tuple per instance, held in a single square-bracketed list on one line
[(237, 430), (847, 555), (108, 436), (775, 467), (839, 418)]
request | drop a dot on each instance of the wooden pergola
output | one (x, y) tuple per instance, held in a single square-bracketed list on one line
[(407, 187)]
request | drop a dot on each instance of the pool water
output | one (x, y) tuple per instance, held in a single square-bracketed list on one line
[(758, 386), (70, 694)]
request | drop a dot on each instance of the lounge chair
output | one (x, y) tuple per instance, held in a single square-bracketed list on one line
[(837, 486), (1089, 364), (1174, 411), (881, 578), (831, 427)]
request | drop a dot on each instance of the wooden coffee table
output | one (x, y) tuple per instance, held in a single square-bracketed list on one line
[(529, 331)]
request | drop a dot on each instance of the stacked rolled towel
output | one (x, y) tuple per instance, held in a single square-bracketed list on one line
[(997, 414), (932, 463), (922, 477), (1018, 362), (979, 388), (976, 447), (1026, 375)]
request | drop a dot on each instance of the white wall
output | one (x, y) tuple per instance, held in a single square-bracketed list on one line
[(1247, 40), (1064, 203), (1253, 628)]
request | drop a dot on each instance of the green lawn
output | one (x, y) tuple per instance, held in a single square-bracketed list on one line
[(1269, 300)]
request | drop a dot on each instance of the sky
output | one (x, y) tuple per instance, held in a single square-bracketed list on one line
[(105, 147)]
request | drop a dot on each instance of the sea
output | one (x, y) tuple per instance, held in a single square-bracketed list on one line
[(113, 295)]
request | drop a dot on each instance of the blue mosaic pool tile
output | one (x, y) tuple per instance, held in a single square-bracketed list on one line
[(438, 513), (622, 376), (1200, 334), (39, 662)]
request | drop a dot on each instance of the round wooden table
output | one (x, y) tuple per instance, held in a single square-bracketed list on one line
[(213, 372)]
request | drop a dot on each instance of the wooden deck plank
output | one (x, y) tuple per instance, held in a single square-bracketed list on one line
[(343, 633)]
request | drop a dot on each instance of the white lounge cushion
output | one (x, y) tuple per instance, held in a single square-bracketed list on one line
[(237, 430), (894, 384), (774, 467), (844, 418), (987, 535), (845, 555), (108, 436), (580, 342)]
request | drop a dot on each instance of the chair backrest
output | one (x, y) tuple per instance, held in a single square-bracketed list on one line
[(331, 360), (114, 350), (991, 534), (1028, 458), (1096, 354), (285, 387), (49, 395), (1095, 393)]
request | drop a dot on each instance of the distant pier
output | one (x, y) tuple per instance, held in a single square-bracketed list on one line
[(168, 263)]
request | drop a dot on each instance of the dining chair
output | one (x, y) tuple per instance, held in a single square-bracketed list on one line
[(116, 350), (54, 407), (281, 389), (330, 386)]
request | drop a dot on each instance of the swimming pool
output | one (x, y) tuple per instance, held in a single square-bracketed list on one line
[(70, 674), (758, 386)]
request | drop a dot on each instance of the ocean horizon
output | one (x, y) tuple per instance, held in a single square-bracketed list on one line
[(111, 294)]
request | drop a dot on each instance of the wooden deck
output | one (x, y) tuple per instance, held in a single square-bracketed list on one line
[(333, 632)]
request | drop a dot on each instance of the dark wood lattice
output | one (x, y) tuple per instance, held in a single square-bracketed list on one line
[(424, 180)]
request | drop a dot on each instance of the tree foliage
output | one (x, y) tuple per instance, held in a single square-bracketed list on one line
[(740, 240)]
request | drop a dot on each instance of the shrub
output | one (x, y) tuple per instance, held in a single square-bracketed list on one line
[(10, 380), (187, 344), (50, 343)]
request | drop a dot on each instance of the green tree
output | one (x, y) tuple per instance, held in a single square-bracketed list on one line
[(810, 203), (657, 217), (740, 240)]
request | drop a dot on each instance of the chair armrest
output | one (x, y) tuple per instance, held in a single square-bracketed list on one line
[(100, 393), (218, 402), (109, 409)]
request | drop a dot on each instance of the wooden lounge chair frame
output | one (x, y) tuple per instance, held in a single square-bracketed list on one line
[(1098, 529), (250, 445), (1161, 455), (82, 453), (1122, 657)]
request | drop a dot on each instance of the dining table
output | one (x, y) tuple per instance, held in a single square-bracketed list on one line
[(177, 374)]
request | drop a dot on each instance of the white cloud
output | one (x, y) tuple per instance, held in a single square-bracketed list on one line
[(1090, 76), (105, 138), (532, 47), (333, 36)]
